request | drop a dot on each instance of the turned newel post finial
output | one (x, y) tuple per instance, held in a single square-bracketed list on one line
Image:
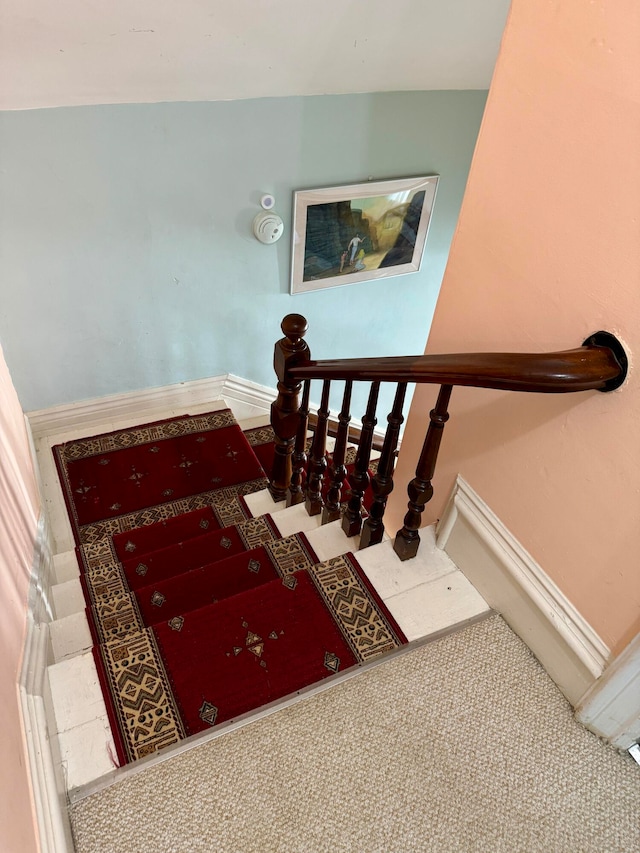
[(290, 351), (294, 327)]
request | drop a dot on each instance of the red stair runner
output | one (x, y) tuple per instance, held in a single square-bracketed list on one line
[(153, 537), (198, 611), (117, 609), (177, 678), (136, 477)]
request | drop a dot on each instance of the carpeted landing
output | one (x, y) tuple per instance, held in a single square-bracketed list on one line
[(462, 746), (199, 612)]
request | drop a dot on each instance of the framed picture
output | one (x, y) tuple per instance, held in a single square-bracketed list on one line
[(360, 232)]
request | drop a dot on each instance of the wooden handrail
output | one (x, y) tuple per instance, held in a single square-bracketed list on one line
[(590, 367), (599, 364)]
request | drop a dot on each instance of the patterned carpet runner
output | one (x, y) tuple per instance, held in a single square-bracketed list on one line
[(200, 613), (153, 537), (182, 676), (122, 600), (131, 478)]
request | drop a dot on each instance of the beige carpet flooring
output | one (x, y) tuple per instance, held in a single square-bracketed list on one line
[(462, 745)]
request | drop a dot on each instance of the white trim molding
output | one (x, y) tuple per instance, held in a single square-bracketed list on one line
[(99, 410), (47, 784), (240, 390), (611, 707), (514, 585), (153, 402)]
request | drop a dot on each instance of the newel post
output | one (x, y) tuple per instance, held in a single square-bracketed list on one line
[(289, 352)]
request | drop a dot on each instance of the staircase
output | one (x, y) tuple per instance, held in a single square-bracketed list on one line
[(426, 596), (421, 588)]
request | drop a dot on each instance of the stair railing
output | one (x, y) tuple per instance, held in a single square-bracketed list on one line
[(599, 364)]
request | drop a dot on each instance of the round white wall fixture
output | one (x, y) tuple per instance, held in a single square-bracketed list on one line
[(268, 202), (268, 227)]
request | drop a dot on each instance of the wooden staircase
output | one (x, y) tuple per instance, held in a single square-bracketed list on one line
[(421, 587), (427, 597)]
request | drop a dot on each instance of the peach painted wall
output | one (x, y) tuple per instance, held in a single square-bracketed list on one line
[(546, 251), (19, 509)]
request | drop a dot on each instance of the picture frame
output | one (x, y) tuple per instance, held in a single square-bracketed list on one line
[(360, 232)]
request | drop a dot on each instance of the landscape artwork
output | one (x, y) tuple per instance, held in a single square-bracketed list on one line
[(345, 235)]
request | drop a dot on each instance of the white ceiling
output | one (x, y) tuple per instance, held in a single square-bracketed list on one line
[(122, 51)]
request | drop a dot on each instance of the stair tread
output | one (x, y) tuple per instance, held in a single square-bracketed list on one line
[(232, 656), (153, 537), (113, 617), (128, 471)]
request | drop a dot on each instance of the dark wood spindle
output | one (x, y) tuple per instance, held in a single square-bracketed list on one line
[(382, 483), (318, 457), (290, 351), (359, 480), (420, 488), (295, 495), (331, 511)]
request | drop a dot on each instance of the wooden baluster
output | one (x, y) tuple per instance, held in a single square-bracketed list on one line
[(331, 511), (289, 352), (359, 480), (295, 495), (318, 457), (382, 484), (420, 489)]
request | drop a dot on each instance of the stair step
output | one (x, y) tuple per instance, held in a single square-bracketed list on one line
[(66, 566), (79, 722), (117, 616), (128, 471), (328, 540), (421, 600), (67, 598), (70, 636), (261, 503), (234, 656), (425, 595), (295, 519), (164, 533)]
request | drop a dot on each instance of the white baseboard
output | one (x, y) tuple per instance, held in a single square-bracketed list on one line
[(85, 413), (47, 784), (144, 405), (515, 586), (611, 708)]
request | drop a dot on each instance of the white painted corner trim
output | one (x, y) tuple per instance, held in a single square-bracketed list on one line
[(611, 708), (240, 390), (514, 585), (49, 801)]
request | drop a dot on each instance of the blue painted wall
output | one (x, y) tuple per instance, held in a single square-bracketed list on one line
[(126, 254)]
